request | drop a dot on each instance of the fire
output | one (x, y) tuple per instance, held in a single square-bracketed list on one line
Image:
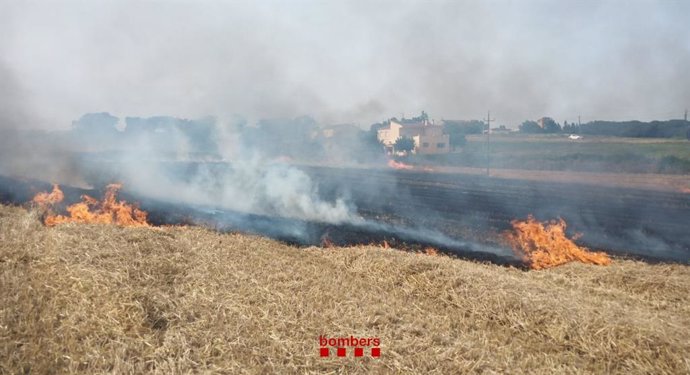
[(90, 210), (546, 245), (430, 251), (397, 165), (326, 242), (49, 199)]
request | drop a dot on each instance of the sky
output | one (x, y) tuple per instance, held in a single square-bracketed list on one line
[(344, 61)]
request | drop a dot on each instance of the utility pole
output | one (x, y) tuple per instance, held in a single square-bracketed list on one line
[(686, 115), (488, 142)]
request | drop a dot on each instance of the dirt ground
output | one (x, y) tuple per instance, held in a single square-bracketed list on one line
[(648, 181), (97, 298)]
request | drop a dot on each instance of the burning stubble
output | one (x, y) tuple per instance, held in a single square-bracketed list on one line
[(264, 66), (545, 245), (110, 210)]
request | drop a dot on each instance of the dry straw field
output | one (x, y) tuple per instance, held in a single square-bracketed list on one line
[(103, 299)]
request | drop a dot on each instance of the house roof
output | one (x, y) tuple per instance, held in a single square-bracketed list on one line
[(410, 123)]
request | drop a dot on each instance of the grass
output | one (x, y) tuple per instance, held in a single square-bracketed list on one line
[(97, 298), (557, 152)]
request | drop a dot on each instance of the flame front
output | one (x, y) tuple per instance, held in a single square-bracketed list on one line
[(430, 251), (48, 199), (398, 165), (90, 210), (542, 245)]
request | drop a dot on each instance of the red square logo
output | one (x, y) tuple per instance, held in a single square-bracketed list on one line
[(341, 352), (376, 352), (324, 352), (359, 352)]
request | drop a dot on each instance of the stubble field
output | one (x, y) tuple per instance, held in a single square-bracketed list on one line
[(97, 298)]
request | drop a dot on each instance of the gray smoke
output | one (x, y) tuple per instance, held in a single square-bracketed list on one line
[(254, 186), (354, 61)]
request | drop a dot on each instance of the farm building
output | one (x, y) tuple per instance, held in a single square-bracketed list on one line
[(428, 137)]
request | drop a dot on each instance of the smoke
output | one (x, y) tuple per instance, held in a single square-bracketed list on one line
[(23, 151), (12, 112), (12, 115), (355, 61), (249, 185)]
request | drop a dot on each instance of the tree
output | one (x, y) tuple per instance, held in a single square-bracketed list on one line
[(457, 130), (374, 128), (421, 118), (464, 127), (653, 129), (405, 144), (551, 126), (530, 127), (96, 124), (370, 138), (457, 140)]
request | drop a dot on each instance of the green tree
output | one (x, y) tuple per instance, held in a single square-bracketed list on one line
[(530, 127), (551, 126), (405, 144), (457, 140), (464, 127)]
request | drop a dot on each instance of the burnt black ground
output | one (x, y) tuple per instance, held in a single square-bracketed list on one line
[(458, 213), (646, 223)]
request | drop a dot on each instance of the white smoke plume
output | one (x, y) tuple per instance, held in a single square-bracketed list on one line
[(253, 185)]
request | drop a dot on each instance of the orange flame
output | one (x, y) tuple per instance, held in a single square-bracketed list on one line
[(326, 242), (546, 245), (90, 210), (397, 165), (430, 251), (48, 199)]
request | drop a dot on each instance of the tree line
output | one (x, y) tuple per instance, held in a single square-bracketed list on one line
[(634, 129)]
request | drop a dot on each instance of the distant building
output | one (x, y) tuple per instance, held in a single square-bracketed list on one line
[(428, 138)]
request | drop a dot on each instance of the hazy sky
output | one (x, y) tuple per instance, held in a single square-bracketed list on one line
[(344, 61)]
